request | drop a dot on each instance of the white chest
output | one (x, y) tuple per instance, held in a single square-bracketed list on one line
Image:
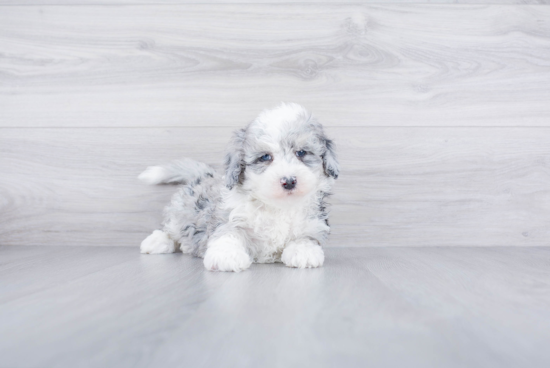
[(272, 230)]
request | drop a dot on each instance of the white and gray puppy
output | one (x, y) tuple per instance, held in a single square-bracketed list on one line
[(269, 207)]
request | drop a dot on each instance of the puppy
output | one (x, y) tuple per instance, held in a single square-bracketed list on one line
[(270, 205)]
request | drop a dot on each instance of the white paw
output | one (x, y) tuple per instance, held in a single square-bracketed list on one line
[(303, 254), (225, 254), (158, 242)]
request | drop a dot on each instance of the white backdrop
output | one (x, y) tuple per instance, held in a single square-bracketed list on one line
[(440, 113)]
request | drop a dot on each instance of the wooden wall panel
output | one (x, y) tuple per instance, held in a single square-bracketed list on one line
[(218, 65), (441, 112), (398, 187)]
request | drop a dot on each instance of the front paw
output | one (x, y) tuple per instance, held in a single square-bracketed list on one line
[(303, 254), (226, 256)]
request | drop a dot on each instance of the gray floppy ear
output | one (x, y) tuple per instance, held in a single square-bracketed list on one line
[(234, 159), (330, 164)]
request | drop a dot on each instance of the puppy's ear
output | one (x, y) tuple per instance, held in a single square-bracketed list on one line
[(330, 164), (234, 159)]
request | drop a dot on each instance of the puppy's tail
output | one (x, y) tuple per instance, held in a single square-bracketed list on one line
[(176, 172)]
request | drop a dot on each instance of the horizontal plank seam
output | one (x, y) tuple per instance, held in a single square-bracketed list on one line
[(325, 247), (326, 126), (272, 4)]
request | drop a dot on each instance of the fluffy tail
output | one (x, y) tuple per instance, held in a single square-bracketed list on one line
[(176, 172)]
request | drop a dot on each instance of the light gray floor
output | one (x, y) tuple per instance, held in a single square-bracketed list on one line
[(414, 307)]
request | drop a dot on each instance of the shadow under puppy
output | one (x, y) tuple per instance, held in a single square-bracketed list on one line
[(269, 207)]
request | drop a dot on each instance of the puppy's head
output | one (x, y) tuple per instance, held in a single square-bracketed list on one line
[(282, 157)]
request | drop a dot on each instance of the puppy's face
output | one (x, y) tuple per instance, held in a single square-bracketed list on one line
[(282, 157), (281, 169)]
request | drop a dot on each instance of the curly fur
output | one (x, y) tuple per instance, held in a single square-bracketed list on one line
[(250, 214)]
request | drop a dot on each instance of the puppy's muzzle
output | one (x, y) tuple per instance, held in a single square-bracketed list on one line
[(289, 183)]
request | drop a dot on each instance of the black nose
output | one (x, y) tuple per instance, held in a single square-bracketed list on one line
[(289, 183)]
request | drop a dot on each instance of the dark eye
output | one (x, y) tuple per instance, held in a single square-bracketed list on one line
[(301, 153), (266, 157)]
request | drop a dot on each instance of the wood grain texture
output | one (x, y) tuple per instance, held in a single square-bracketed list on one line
[(398, 187), (218, 65), (380, 307)]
